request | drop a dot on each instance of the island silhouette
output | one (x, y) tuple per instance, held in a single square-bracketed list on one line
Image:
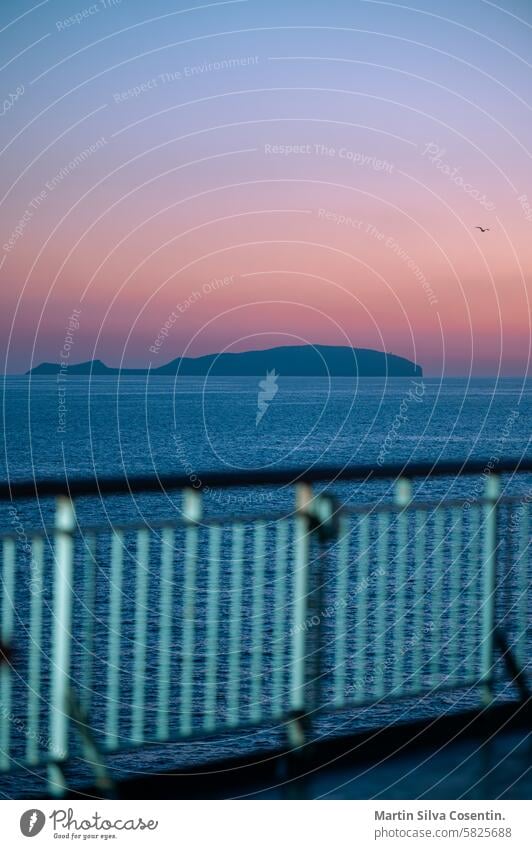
[(289, 360)]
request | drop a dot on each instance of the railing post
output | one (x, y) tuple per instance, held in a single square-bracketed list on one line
[(315, 519), (403, 492), (491, 494), (65, 523), (299, 618), (192, 511), (325, 528), (403, 497)]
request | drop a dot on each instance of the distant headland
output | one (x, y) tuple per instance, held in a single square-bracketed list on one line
[(289, 361)]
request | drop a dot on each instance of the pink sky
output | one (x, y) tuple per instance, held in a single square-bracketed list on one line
[(339, 192)]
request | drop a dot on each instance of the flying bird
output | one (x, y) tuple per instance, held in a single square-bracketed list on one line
[(482, 229)]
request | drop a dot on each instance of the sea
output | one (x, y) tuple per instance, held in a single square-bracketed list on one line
[(102, 427)]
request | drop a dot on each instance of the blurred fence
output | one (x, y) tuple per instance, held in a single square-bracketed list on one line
[(122, 635)]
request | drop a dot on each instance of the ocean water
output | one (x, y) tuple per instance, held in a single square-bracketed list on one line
[(104, 427), (132, 426)]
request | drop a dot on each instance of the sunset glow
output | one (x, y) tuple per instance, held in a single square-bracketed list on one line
[(332, 161)]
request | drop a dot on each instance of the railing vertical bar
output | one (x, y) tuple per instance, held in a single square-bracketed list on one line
[(257, 607), (472, 605), (235, 624), (89, 616), (113, 647), (455, 622), (35, 649), (141, 630), (340, 637), (192, 513), (279, 626), (213, 615), (435, 624), (403, 496), (523, 588), (6, 632), (382, 571), (166, 599), (489, 556), (419, 599), (300, 600), (65, 524), (362, 609)]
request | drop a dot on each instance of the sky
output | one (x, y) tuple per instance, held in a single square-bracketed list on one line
[(236, 175)]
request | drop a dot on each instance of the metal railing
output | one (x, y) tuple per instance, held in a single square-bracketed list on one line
[(118, 636)]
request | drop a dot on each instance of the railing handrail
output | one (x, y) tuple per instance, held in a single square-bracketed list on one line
[(425, 616), (10, 490)]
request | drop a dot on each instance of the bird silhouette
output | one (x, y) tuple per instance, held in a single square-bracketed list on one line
[(482, 229)]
